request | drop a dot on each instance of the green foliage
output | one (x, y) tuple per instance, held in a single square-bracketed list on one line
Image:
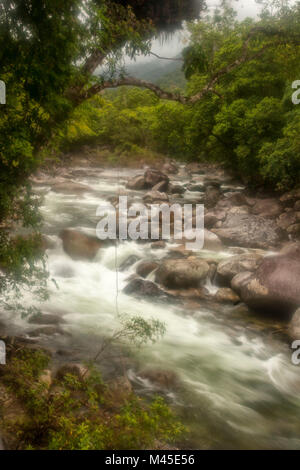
[(246, 121), (82, 414)]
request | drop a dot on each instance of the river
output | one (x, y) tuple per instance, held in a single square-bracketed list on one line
[(238, 388)]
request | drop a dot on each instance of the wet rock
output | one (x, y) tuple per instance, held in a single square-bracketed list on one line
[(239, 279), (286, 219), (170, 168), (46, 319), (161, 378), (132, 259), (196, 187), (269, 207), (143, 288), (294, 326), (153, 177), (160, 244), (161, 187), (155, 196), (80, 246), (291, 248), (211, 241), (236, 198), (146, 267), (176, 189), (228, 268), (212, 195), (289, 198), (195, 167), (226, 295), (137, 183), (211, 218), (274, 287), (294, 230), (182, 273), (70, 187), (250, 231)]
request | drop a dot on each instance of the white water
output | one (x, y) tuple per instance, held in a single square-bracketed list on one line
[(240, 389)]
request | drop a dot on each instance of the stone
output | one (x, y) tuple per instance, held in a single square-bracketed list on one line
[(182, 273), (80, 246)]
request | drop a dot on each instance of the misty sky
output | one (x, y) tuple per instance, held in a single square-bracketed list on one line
[(172, 47)]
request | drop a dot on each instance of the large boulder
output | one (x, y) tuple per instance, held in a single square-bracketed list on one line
[(289, 199), (274, 287), (182, 273), (80, 246), (250, 231), (153, 177), (269, 207), (229, 268)]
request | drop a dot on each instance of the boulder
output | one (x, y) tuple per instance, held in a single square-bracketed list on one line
[(229, 268), (250, 231), (211, 218), (176, 189), (269, 207), (146, 267), (160, 244), (155, 196), (239, 279), (80, 246), (161, 378), (195, 167), (182, 273), (137, 183), (212, 195), (294, 230), (132, 259), (153, 177), (236, 198), (291, 248), (211, 241), (286, 219), (226, 295), (143, 288), (161, 187), (170, 168), (274, 287), (289, 198)]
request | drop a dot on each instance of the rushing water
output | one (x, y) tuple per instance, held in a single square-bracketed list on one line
[(238, 389)]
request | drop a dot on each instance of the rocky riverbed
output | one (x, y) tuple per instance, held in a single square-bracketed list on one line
[(230, 309)]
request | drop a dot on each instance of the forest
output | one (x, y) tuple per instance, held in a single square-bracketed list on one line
[(92, 113)]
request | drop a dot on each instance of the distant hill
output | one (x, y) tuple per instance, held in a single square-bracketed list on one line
[(167, 74)]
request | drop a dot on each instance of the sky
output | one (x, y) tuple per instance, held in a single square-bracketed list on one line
[(174, 46)]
